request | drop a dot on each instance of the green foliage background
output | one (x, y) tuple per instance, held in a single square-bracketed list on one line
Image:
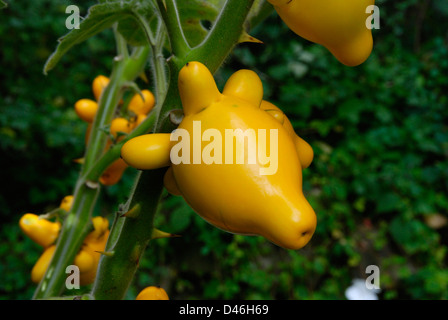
[(378, 180)]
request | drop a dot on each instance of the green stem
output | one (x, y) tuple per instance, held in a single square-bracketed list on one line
[(212, 52), (170, 15), (122, 47), (172, 100), (74, 229), (146, 28), (158, 67), (223, 36), (77, 223), (158, 64), (117, 270)]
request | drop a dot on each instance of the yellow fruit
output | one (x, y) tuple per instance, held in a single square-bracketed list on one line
[(40, 230), (304, 150), (259, 197), (120, 125), (98, 85), (340, 26), (112, 175), (86, 109), (152, 293), (148, 151), (40, 267), (139, 106), (66, 203)]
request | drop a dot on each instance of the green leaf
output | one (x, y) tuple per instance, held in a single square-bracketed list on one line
[(441, 6), (180, 219), (389, 202), (99, 18), (3, 5), (412, 235), (131, 29), (192, 14)]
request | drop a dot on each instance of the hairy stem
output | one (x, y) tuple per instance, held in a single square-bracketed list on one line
[(170, 15), (223, 36)]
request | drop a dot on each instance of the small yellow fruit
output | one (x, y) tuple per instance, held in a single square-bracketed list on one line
[(40, 230), (86, 109), (152, 293), (66, 203), (98, 85), (42, 263), (139, 106)]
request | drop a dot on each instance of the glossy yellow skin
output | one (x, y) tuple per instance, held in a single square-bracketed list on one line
[(40, 230), (112, 175), (66, 203), (235, 197), (100, 228), (85, 261), (40, 267), (120, 125), (340, 26), (98, 85), (152, 293), (304, 150), (245, 85), (138, 120), (139, 106), (148, 151), (169, 181), (86, 109)]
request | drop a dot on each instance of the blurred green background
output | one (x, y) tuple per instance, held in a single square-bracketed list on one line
[(378, 182)]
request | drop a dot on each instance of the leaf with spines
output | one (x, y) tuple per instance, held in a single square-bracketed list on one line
[(100, 17)]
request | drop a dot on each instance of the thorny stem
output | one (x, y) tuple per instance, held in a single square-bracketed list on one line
[(117, 270), (224, 35), (170, 15), (77, 222)]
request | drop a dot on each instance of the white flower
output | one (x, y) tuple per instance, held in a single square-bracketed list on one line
[(358, 291)]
